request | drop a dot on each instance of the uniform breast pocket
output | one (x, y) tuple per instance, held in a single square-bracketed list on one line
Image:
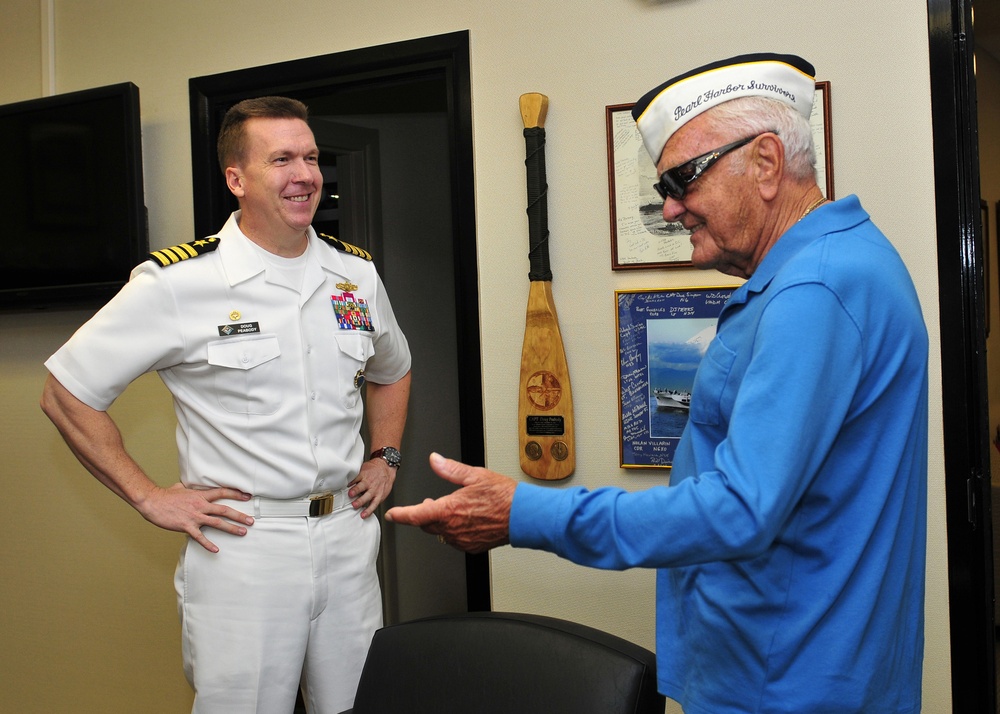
[(354, 353), (247, 374), (710, 384)]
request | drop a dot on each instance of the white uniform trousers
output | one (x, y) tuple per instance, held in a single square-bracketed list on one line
[(296, 599)]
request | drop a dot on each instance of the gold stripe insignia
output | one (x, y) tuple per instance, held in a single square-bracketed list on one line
[(345, 247), (177, 253)]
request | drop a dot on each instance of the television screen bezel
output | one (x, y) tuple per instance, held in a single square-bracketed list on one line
[(86, 294)]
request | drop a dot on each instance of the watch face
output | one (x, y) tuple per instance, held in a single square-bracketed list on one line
[(391, 455)]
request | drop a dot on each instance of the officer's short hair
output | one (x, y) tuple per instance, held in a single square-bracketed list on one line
[(231, 145)]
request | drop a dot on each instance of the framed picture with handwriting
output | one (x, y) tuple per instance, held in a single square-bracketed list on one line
[(662, 337)]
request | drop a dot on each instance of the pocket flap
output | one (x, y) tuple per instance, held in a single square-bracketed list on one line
[(357, 347), (244, 352)]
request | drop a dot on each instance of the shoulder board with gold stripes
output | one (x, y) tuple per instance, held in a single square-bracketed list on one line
[(178, 253), (346, 247)]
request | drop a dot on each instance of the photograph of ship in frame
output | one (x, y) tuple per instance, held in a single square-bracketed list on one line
[(662, 337)]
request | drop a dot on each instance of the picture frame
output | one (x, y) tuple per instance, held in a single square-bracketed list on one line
[(821, 122), (662, 336), (640, 238)]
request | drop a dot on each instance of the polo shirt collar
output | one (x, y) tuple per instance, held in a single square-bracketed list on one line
[(836, 216)]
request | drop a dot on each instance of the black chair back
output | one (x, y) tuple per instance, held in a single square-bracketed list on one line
[(505, 663)]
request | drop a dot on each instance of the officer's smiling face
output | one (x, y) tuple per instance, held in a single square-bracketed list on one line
[(278, 183)]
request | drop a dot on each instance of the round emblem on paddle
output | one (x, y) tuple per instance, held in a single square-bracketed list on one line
[(544, 390)]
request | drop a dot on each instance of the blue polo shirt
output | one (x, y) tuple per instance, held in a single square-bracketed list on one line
[(790, 544)]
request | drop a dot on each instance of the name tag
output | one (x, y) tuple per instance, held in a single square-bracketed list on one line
[(240, 328)]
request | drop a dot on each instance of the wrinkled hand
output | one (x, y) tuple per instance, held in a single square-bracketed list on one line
[(474, 518), (188, 510), (372, 485)]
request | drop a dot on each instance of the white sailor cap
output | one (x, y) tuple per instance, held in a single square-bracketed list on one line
[(665, 109)]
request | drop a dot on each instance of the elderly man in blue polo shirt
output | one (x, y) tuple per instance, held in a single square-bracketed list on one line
[(790, 544)]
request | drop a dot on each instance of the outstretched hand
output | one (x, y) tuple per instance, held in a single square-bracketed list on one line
[(474, 518)]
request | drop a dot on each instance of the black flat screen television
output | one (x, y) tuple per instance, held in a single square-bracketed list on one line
[(71, 198)]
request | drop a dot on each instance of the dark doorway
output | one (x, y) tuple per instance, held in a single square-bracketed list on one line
[(394, 124)]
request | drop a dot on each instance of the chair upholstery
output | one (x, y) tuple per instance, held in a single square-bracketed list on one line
[(505, 663)]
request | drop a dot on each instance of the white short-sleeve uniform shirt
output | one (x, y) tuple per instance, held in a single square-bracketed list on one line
[(265, 378)]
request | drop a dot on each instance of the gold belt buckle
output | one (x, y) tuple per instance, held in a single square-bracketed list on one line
[(321, 505)]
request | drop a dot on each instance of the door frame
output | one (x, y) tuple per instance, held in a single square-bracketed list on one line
[(963, 355), (211, 96)]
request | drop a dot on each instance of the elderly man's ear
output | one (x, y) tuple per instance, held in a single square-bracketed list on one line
[(768, 165)]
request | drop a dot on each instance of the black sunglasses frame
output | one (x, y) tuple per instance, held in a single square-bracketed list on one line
[(673, 182)]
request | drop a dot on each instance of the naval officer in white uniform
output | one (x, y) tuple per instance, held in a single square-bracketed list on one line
[(265, 335)]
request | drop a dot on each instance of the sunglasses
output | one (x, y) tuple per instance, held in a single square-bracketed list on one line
[(673, 182)]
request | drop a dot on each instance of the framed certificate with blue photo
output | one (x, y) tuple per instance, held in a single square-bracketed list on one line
[(662, 337)]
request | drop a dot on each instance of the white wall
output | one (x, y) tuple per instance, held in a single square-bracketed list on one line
[(584, 56)]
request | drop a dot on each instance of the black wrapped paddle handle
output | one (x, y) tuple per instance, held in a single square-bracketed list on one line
[(538, 211)]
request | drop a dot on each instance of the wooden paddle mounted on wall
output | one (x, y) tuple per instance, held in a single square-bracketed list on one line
[(545, 400)]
